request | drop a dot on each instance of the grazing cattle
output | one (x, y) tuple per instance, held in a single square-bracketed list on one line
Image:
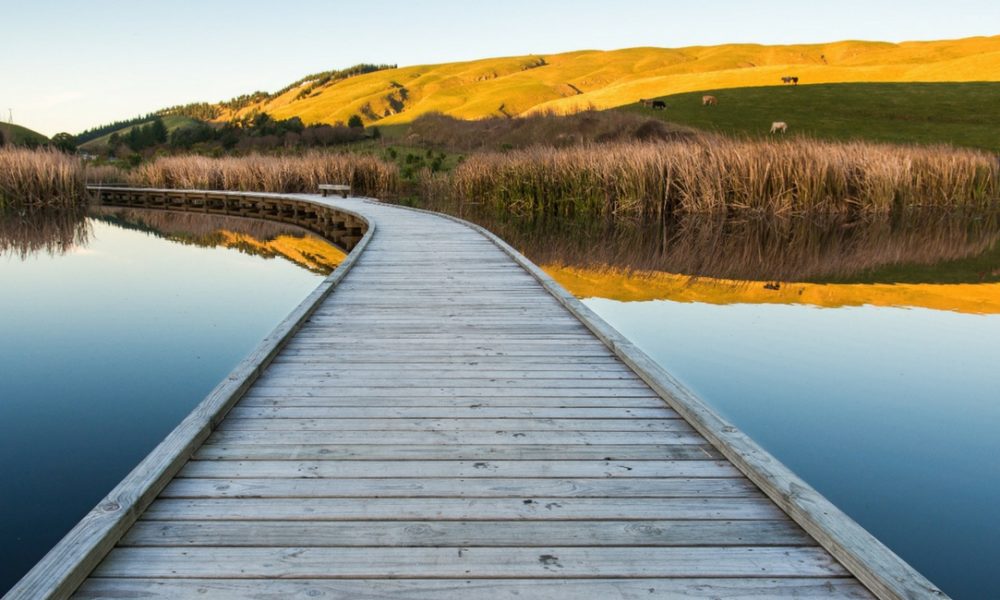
[(790, 79), (659, 105), (779, 126), (646, 102), (709, 101)]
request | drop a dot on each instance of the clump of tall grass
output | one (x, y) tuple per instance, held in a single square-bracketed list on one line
[(35, 179), (96, 174), (720, 175), (284, 174)]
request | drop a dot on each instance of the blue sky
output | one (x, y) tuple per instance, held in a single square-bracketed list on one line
[(68, 65)]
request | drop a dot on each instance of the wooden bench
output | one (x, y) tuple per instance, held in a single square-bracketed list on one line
[(327, 188)]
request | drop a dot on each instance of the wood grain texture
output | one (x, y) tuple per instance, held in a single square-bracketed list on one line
[(756, 588), (469, 563), (780, 532)]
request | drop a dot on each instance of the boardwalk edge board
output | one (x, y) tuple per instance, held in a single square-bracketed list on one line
[(61, 571), (877, 567)]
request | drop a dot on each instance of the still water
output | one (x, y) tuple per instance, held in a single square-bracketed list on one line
[(110, 335), (891, 413), (862, 353)]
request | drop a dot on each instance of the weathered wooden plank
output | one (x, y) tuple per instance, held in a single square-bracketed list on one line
[(479, 412), (733, 487), (444, 360), (256, 451), (466, 424), (617, 384), (505, 437), (755, 588), (395, 399), (470, 563), (482, 391), (459, 509), (448, 468), (780, 532)]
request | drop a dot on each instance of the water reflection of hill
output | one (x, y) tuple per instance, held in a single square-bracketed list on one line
[(916, 248), (25, 234), (256, 237)]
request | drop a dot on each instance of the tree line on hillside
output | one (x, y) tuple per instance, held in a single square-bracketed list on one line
[(140, 137), (103, 130), (256, 131)]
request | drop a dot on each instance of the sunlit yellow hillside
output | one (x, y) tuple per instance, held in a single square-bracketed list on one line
[(605, 79), (982, 298)]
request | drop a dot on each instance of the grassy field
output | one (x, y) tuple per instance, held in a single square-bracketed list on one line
[(172, 122), (15, 134), (571, 81), (963, 114)]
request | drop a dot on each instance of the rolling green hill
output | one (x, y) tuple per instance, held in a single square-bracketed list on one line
[(17, 135), (962, 114)]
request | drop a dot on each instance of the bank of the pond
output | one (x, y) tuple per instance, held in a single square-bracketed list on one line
[(110, 337)]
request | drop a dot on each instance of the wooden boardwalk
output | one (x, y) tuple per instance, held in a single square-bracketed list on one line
[(445, 427)]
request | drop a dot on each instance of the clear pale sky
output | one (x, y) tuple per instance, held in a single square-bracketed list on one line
[(66, 65)]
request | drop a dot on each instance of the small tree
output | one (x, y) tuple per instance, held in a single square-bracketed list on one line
[(159, 131), (65, 142), (3, 140), (355, 122)]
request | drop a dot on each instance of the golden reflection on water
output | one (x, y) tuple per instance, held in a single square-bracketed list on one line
[(616, 284), (251, 236), (57, 233)]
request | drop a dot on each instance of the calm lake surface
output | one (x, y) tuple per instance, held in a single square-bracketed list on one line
[(863, 354), (109, 342), (891, 413)]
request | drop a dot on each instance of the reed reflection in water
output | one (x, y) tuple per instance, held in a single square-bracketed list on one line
[(55, 232), (916, 247)]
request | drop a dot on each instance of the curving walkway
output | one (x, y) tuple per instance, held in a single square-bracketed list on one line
[(444, 427)]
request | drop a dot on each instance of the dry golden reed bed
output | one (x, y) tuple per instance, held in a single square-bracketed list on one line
[(44, 178), (628, 180), (39, 179), (288, 174), (724, 175)]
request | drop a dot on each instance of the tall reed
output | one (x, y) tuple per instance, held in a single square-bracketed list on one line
[(34, 179), (720, 175), (289, 174)]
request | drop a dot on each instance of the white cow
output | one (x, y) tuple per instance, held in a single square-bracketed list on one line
[(779, 126)]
